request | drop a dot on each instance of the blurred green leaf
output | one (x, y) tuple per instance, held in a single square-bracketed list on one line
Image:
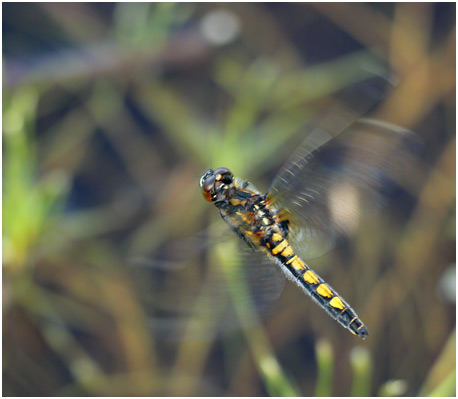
[(28, 200), (276, 381), (361, 362), (441, 380), (393, 388), (325, 363)]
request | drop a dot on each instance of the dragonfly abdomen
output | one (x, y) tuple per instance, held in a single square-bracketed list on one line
[(279, 248)]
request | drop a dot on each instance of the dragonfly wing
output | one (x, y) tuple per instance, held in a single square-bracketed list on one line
[(344, 171), (195, 297)]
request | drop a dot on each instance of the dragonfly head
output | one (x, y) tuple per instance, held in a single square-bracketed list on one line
[(215, 183)]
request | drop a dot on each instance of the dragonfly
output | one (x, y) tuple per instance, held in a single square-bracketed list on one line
[(343, 172), (254, 218)]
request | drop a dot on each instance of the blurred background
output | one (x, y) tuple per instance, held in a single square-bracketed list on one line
[(112, 112)]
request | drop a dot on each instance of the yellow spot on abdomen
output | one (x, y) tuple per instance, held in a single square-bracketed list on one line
[(336, 303), (296, 263), (311, 277), (287, 252), (324, 290), (280, 247), (291, 260), (276, 237)]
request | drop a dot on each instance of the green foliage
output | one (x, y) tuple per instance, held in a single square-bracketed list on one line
[(30, 202), (103, 146)]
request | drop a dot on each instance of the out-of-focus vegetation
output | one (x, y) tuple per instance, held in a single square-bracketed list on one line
[(111, 112)]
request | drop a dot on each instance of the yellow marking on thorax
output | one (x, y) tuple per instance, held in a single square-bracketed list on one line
[(324, 290), (236, 201), (244, 217), (249, 233), (254, 238), (311, 277)]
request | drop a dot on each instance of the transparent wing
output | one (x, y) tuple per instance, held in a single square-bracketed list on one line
[(344, 171), (177, 253), (193, 294)]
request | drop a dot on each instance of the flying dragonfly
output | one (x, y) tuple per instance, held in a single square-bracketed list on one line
[(254, 218), (340, 175)]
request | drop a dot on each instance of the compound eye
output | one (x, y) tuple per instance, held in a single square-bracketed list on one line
[(222, 171), (205, 176), (207, 187), (224, 175), (227, 179)]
